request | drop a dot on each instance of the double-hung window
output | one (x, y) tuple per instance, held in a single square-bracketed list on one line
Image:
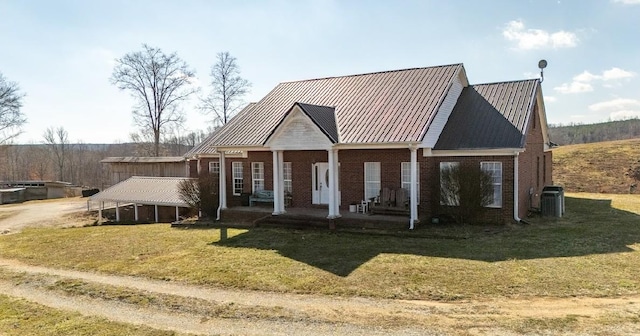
[(371, 180), (449, 183), (406, 178), (214, 167), (238, 181), (287, 177), (257, 176), (495, 170)]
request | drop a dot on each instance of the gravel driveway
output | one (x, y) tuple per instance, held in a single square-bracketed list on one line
[(15, 217)]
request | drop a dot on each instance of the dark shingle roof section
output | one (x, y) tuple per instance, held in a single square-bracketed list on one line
[(324, 117), (489, 116), (392, 106)]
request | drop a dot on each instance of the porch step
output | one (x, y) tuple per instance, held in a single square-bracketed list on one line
[(311, 222)]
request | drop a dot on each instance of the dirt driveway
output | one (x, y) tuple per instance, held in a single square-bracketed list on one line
[(15, 217)]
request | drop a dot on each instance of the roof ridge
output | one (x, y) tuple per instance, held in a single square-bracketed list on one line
[(371, 73), (505, 82)]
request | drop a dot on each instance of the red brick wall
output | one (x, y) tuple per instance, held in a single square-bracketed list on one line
[(532, 165)]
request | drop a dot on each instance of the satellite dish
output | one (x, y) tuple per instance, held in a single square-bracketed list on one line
[(542, 64)]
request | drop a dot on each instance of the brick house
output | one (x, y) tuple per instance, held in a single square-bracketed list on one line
[(332, 142)]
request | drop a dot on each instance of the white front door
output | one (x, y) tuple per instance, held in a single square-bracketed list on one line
[(320, 188)]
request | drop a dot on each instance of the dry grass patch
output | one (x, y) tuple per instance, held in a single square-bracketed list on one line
[(21, 317)]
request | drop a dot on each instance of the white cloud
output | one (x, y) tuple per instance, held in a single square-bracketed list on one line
[(617, 73), (628, 2), (617, 104), (574, 87), (619, 108), (550, 99), (528, 39), (582, 82)]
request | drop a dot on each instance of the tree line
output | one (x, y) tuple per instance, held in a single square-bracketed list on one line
[(588, 133)]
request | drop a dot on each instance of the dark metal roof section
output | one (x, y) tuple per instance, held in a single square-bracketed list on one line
[(489, 116), (324, 117), (390, 106)]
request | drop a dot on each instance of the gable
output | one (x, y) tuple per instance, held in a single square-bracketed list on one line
[(298, 131), (490, 116)]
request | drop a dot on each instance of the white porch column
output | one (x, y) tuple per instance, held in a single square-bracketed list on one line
[(117, 212), (281, 180), (197, 167), (333, 184), (277, 188), (414, 190), (135, 212), (156, 211), (100, 207), (222, 194), (336, 185), (177, 214)]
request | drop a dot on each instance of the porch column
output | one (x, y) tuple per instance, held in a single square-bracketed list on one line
[(414, 190), (222, 193), (197, 168), (281, 180), (336, 185), (100, 207), (334, 212), (276, 183), (156, 211), (177, 214), (117, 212), (135, 212)]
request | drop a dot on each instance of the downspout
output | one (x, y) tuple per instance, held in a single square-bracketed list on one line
[(516, 217)]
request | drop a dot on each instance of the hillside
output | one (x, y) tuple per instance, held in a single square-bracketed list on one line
[(588, 133), (596, 167)]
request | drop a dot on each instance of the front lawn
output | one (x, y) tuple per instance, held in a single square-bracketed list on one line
[(592, 251)]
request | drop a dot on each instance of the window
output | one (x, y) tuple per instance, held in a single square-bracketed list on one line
[(495, 170), (371, 180), (287, 177), (214, 167), (238, 182), (257, 176), (449, 185), (406, 178)]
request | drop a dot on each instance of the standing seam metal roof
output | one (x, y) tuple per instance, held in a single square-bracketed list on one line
[(490, 116), (144, 190), (391, 106)]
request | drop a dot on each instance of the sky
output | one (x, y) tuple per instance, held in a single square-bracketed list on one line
[(62, 52)]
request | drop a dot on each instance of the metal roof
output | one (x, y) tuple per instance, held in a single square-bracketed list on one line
[(144, 190), (490, 116), (139, 159), (390, 106)]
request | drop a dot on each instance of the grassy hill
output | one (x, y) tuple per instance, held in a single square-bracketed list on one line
[(596, 167)]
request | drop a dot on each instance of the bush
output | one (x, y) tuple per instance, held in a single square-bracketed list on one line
[(465, 191), (201, 193)]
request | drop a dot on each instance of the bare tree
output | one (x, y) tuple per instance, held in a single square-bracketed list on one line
[(58, 143), (227, 89), (158, 82), (11, 119)]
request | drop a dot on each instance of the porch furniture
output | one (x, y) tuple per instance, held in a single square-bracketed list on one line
[(392, 202), (363, 207), (262, 196)]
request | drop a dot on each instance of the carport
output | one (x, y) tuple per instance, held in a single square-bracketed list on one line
[(142, 190)]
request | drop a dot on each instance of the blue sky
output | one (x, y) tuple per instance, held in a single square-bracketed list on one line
[(61, 52)]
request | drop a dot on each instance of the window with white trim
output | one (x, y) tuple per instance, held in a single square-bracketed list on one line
[(371, 180), (287, 177), (449, 188), (214, 167), (257, 176), (238, 181), (406, 178), (495, 170)]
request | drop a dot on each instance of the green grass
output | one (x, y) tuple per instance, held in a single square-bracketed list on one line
[(596, 167), (592, 251), (20, 317)]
